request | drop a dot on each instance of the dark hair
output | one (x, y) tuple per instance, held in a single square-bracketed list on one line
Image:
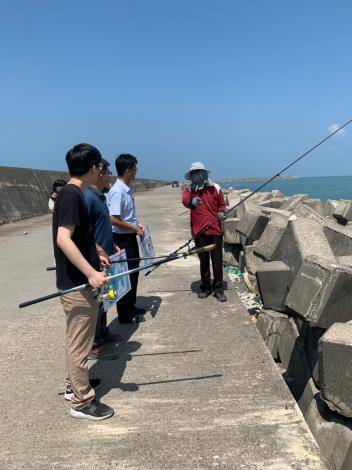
[(58, 183), (124, 162), (104, 165), (81, 158)]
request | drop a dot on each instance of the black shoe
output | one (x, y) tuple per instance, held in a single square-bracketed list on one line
[(94, 383), (139, 311), (95, 411), (220, 296), (203, 294)]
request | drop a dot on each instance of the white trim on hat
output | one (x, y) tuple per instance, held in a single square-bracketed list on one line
[(195, 166)]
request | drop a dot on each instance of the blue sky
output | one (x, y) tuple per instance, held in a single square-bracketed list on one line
[(244, 87)]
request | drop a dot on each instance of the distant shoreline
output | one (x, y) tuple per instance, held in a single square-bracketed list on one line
[(265, 178), (260, 178)]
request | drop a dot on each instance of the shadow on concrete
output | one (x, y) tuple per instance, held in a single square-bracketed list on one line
[(111, 372), (180, 380), (195, 286), (170, 352), (151, 303), (170, 290)]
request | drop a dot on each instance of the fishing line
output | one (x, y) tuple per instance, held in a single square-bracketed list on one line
[(223, 217)]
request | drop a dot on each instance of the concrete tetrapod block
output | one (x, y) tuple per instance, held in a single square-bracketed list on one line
[(269, 324), (339, 239), (332, 433), (275, 202), (253, 262), (343, 212), (321, 293), (231, 254), (304, 210), (315, 204), (307, 396), (242, 262), (310, 337), (245, 207), (243, 240), (335, 372), (253, 223), (301, 239), (260, 197), (276, 193), (344, 260), (291, 201), (292, 355), (233, 201), (231, 234), (271, 237), (329, 207), (274, 279), (242, 191)]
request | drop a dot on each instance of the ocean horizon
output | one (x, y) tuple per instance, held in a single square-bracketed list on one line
[(317, 187)]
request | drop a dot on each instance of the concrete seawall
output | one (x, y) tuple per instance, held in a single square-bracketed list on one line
[(24, 192)]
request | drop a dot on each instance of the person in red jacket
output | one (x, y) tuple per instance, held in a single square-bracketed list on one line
[(206, 201)]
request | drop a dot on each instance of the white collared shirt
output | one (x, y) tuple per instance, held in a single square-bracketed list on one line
[(121, 203)]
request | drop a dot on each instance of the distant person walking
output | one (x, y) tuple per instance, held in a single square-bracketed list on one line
[(77, 262), (57, 185), (206, 201), (103, 236), (126, 227)]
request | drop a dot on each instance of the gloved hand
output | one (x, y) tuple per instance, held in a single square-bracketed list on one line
[(196, 201)]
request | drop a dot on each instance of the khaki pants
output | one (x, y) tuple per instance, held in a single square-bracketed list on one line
[(81, 310)]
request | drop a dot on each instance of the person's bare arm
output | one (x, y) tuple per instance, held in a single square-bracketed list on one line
[(64, 241), (118, 222), (103, 256)]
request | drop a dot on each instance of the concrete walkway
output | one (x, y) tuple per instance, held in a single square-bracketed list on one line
[(194, 386)]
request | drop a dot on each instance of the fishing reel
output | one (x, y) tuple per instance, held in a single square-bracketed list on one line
[(107, 296), (107, 293)]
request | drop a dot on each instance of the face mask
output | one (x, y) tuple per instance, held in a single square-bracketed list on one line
[(199, 179)]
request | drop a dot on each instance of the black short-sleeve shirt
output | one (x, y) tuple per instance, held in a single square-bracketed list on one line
[(71, 209)]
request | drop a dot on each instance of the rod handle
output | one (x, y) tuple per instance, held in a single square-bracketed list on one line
[(40, 299), (53, 296)]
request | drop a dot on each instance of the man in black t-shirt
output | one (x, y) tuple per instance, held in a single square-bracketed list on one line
[(77, 262)]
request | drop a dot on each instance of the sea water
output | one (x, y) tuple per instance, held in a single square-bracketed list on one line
[(322, 187)]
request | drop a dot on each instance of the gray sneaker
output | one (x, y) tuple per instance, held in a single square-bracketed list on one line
[(95, 411)]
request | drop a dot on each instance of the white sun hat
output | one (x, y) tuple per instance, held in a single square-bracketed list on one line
[(195, 166)]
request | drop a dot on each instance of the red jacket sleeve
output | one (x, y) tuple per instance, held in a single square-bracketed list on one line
[(187, 198), (221, 202)]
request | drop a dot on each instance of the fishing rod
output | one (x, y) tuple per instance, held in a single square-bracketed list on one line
[(115, 276), (226, 213), (127, 260)]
